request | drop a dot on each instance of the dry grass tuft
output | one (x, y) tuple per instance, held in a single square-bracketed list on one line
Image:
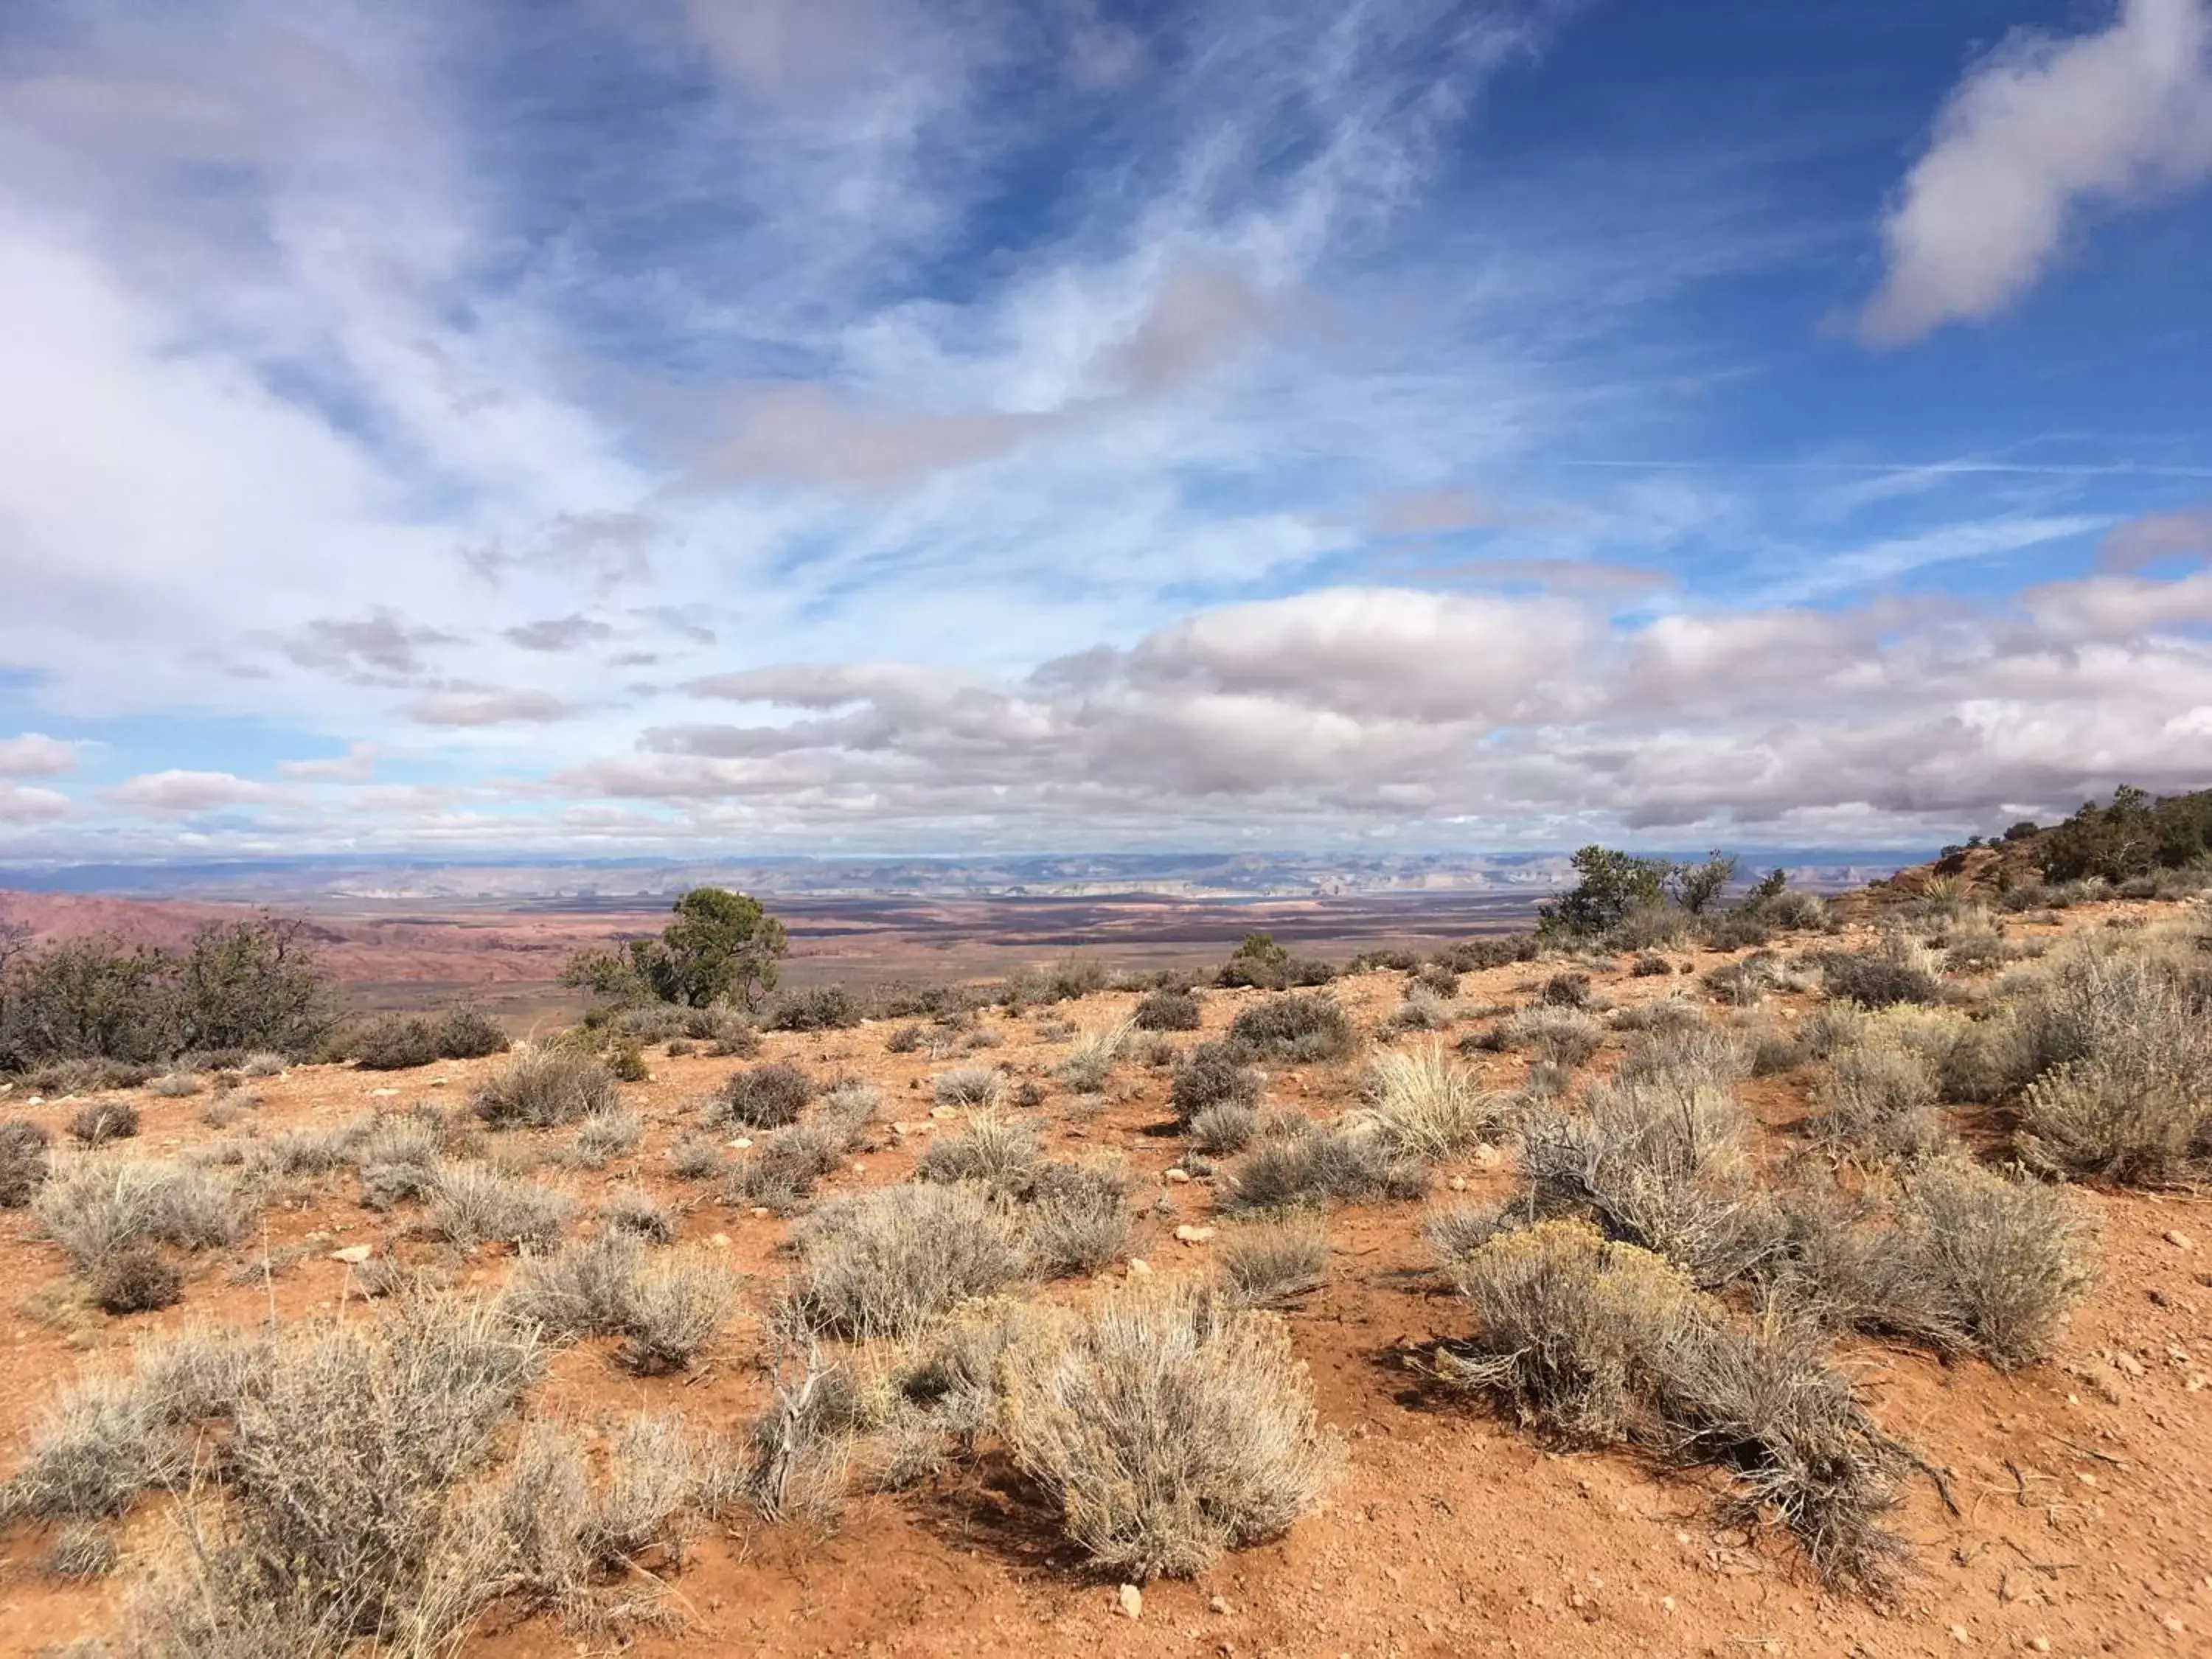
[(977, 1087), (472, 1204), (1268, 1264), (96, 1204), (1428, 1106)]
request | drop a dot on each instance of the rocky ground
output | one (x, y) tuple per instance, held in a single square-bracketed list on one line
[(2077, 1516)]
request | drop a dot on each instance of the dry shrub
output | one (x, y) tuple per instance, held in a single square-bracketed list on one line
[(341, 1518), (1172, 1008), (977, 1087), (1423, 1010), (1565, 1036), (96, 1204), (2000, 1259), (1077, 1220), (1604, 1342), (1971, 1262), (99, 1121), (606, 1136), (396, 1042), (1168, 1426), (551, 1532), (1428, 1106), (1089, 1064), (1212, 1075), (472, 1204), (1661, 1162), (1310, 1163), (1767, 1407), (174, 1085), (799, 1451), (637, 1212), (134, 1278), (1566, 1322), (694, 1158), (999, 1154), (767, 1097), (24, 1160), (1266, 1265), (1880, 979), (667, 1311), (779, 1171), (1295, 1027), (1227, 1125), (94, 1447), (890, 1261), (1877, 1099), (541, 1088), (2120, 1053)]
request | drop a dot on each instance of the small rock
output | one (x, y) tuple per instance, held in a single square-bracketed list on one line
[(1139, 1268), (2128, 1362), (859, 1168), (940, 1113), (1219, 1604), (355, 1253), (761, 1212), (1959, 1634), (1459, 1183), (2040, 1643), (378, 1094), (1488, 1156), (1178, 1176), (36, 1100), (439, 1082), (720, 1242), (741, 1142), (1668, 1603), (1730, 1537), (1188, 1234), (2179, 1240), (1130, 1603)]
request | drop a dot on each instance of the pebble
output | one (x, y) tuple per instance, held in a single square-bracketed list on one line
[(1188, 1234), (1959, 1634), (1219, 1604), (1459, 1183), (761, 1212), (1130, 1603), (2041, 1644), (941, 1112), (378, 1094), (859, 1168), (1178, 1176), (2178, 1239), (1139, 1268), (720, 1241), (741, 1142), (354, 1253)]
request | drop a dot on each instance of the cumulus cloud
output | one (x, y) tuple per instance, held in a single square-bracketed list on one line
[(378, 647), (493, 707), (2038, 132), (1305, 715), (20, 804), (2185, 532), (34, 755), (185, 792)]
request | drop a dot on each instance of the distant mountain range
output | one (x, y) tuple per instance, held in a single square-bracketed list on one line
[(625, 882)]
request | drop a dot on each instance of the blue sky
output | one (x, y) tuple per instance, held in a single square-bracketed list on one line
[(870, 425)]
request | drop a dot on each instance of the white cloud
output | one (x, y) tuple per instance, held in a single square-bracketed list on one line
[(34, 755), (2037, 132), (20, 805), (494, 708), (182, 792)]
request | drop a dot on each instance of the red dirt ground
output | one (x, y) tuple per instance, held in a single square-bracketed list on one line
[(2081, 1484)]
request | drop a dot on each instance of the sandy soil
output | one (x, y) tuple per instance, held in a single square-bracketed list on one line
[(2083, 1519)]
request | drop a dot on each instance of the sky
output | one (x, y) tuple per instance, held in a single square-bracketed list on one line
[(618, 428)]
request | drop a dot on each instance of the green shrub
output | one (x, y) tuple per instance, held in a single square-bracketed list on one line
[(767, 1097), (24, 1160), (1294, 1028), (1172, 1009), (1212, 1075), (823, 1008), (541, 1088)]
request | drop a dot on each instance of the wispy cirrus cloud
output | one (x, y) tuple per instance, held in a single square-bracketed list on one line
[(672, 421)]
